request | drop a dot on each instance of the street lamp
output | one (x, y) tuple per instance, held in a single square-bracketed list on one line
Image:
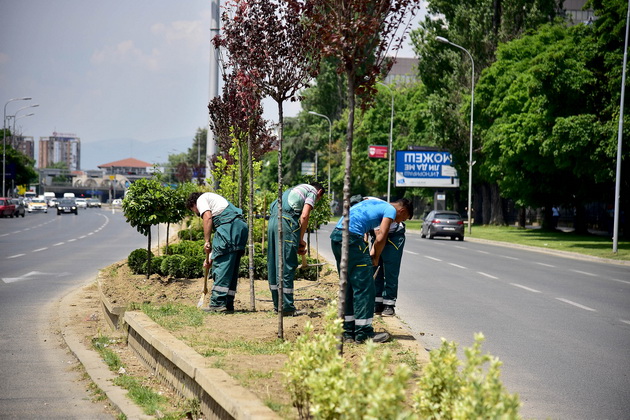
[(15, 117), (4, 136), (472, 102), (329, 145), (389, 148)]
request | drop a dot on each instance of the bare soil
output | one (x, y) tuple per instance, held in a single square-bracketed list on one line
[(227, 339)]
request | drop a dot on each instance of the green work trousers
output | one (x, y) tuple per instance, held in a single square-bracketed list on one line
[(360, 290), (228, 246), (290, 244), (386, 281)]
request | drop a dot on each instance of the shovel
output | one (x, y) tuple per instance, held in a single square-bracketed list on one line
[(202, 298)]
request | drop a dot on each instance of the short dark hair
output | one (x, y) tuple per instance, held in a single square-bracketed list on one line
[(318, 187), (192, 200), (407, 205)]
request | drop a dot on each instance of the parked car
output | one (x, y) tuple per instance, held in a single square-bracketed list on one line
[(20, 209), (443, 223), (117, 202), (7, 208), (93, 202), (37, 204), (67, 205), (81, 203)]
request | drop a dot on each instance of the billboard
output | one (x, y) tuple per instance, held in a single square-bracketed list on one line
[(377, 151), (425, 168)]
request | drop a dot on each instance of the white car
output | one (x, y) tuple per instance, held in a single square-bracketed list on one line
[(37, 204), (81, 203)]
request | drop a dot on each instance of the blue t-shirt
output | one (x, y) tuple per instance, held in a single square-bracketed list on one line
[(368, 215)]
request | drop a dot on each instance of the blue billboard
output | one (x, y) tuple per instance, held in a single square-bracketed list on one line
[(425, 168)]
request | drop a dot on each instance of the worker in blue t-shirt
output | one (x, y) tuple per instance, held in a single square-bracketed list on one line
[(365, 216)]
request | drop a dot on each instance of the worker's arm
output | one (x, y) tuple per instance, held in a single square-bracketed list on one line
[(381, 240), (207, 234), (306, 213)]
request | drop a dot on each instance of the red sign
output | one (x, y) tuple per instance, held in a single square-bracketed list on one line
[(377, 151)]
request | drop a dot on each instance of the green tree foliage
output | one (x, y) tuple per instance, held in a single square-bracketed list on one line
[(24, 166)]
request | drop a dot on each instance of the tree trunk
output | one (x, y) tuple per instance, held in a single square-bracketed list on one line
[(343, 264), (240, 174), (486, 207), (580, 220), (168, 228), (522, 217), (149, 253), (250, 219), (497, 216), (280, 269), (547, 222)]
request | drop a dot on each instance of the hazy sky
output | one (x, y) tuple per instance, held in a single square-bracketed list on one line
[(134, 69)]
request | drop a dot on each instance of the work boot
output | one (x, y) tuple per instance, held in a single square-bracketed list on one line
[(212, 308), (388, 311), (381, 337), (378, 308)]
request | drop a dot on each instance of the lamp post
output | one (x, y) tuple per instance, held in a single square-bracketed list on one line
[(472, 102), (15, 117), (4, 136), (329, 144), (389, 147)]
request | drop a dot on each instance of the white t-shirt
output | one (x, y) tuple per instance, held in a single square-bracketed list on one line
[(211, 202)]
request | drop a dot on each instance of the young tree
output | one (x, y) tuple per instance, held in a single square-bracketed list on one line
[(269, 41), (359, 34)]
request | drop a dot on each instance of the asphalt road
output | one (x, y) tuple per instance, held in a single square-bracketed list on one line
[(561, 326), (42, 258)]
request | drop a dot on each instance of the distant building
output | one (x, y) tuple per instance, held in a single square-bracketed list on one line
[(24, 144), (129, 166), (575, 14), (60, 148), (404, 71)]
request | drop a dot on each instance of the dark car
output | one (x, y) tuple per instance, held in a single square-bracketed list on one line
[(443, 223), (20, 207), (67, 205)]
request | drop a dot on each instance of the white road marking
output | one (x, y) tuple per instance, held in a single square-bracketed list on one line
[(585, 273), (431, 258), (621, 281), (529, 289), (577, 305), (488, 275), (546, 265), (411, 252), (40, 249), (59, 243), (509, 258), (624, 321), (483, 252), (457, 265), (16, 256), (71, 240)]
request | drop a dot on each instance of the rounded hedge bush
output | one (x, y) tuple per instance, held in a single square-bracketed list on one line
[(137, 261)]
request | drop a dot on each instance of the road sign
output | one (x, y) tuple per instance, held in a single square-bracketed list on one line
[(425, 168), (379, 152)]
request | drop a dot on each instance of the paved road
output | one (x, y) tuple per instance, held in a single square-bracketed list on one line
[(42, 258), (561, 326)]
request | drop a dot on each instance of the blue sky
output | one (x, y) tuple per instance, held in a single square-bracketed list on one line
[(104, 70)]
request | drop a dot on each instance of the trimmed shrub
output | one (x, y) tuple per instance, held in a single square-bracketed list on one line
[(191, 234), (191, 267), (260, 263), (171, 265), (137, 261), (156, 265), (184, 247)]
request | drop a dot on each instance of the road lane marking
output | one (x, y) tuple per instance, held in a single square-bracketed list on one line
[(624, 321), (529, 289), (621, 281), (460, 247), (16, 256), (577, 305), (457, 265), (71, 240), (432, 258), (585, 273), (483, 252), (546, 265), (59, 243), (411, 252), (510, 258), (40, 249), (488, 275)]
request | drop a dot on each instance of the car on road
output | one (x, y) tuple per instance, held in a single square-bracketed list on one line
[(81, 203), (93, 202), (7, 208), (443, 223), (37, 204), (67, 205), (20, 207)]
